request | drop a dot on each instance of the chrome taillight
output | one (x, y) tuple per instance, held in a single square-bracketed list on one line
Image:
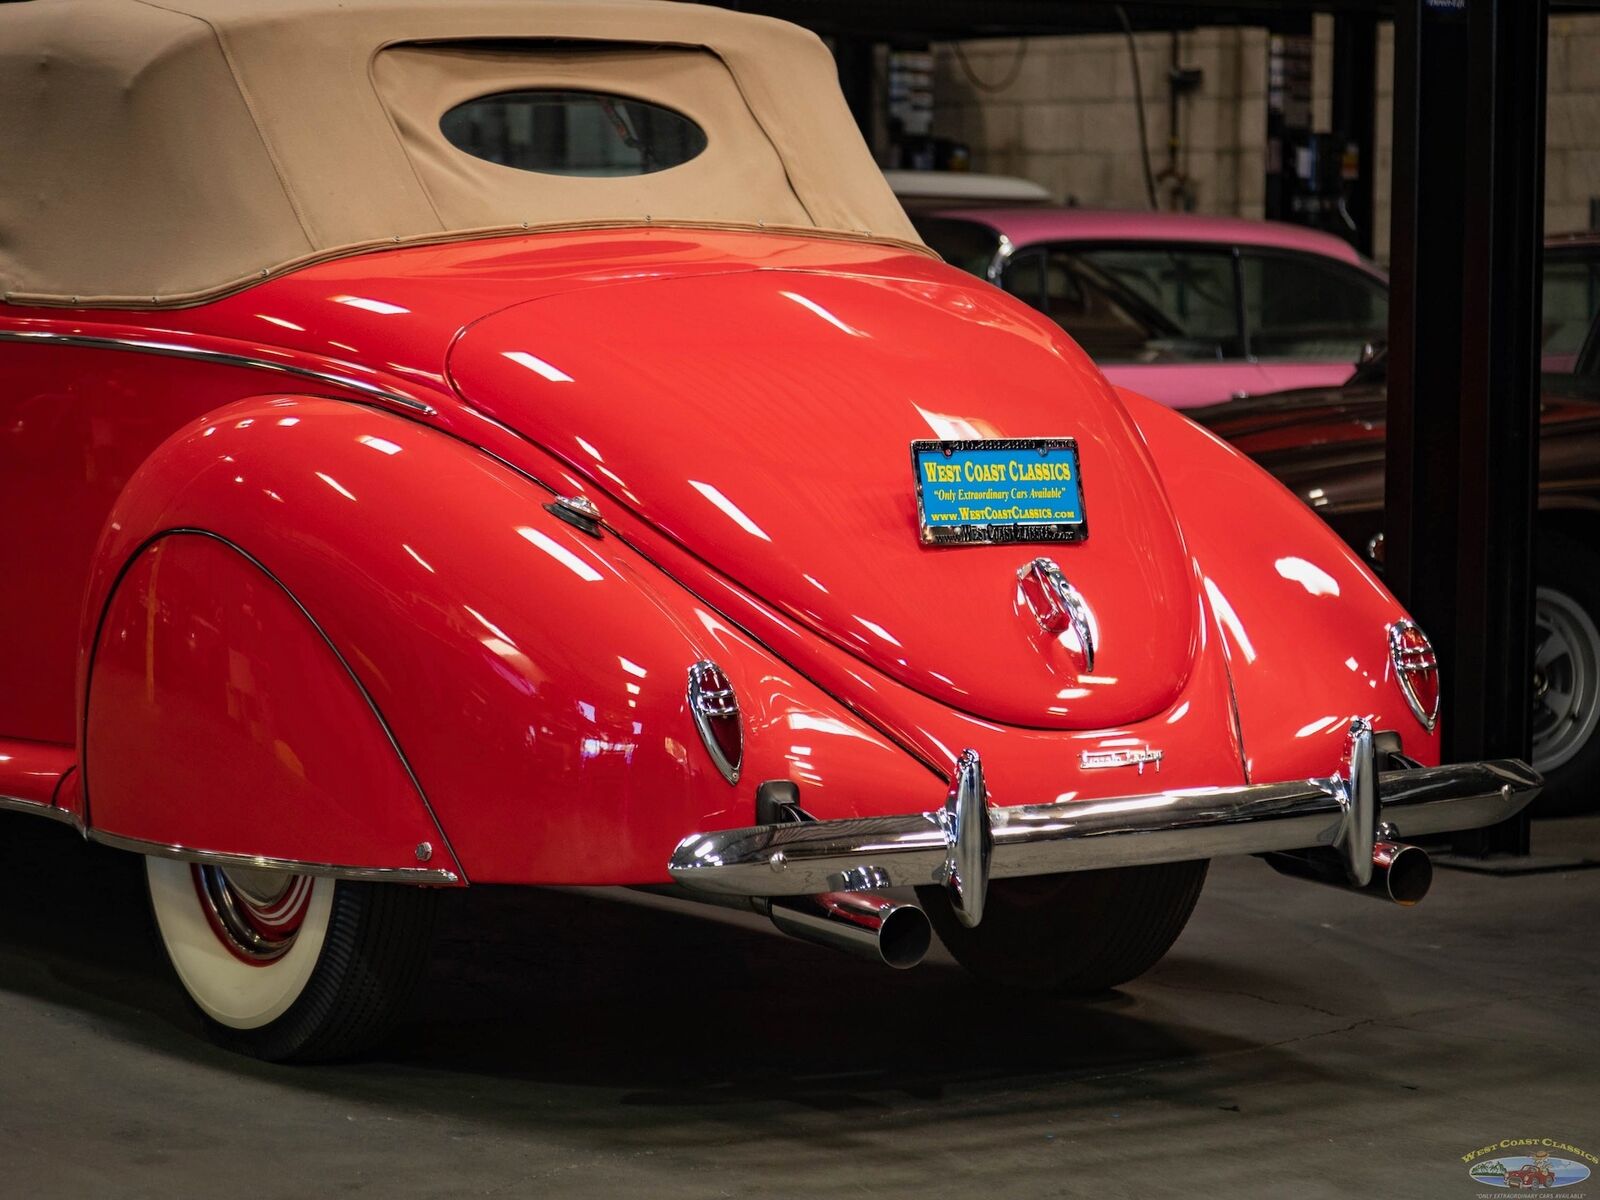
[(716, 715), (1416, 670)]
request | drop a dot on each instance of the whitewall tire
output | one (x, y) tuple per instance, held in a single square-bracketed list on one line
[(226, 985), (290, 967)]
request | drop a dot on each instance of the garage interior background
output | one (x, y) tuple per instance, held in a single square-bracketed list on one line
[(1060, 110)]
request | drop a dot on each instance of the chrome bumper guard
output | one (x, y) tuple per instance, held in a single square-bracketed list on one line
[(968, 842)]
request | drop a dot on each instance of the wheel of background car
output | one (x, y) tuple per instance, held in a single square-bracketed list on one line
[(1566, 680), (1080, 933), (290, 967)]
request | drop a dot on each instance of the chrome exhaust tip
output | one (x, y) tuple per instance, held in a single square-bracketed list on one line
[(866, 924), (1401, 874)]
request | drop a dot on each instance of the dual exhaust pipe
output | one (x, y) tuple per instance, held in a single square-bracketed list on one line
[(899, 935), (1401, 874), (865, 924)]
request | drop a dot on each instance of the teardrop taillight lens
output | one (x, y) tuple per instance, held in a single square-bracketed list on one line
[(716, 716), (1416, 670)]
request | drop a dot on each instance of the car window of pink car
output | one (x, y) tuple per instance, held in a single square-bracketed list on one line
[(1299, 308), (1135, 304)]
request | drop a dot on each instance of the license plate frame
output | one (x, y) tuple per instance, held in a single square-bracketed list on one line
[(966, 511)]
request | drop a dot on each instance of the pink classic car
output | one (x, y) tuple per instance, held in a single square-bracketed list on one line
[(1183, 308)]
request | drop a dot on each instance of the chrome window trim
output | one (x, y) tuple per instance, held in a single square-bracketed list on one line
[(221, 357), (254, 862)]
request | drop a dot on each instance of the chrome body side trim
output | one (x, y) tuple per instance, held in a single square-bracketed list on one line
[(424, 875), (16, 804), (435, 876), (178, 350), (914, 849)]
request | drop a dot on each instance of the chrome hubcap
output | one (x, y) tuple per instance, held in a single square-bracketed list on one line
[(1566, 674), (256, 914)]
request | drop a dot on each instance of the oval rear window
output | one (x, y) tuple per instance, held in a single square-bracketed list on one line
[(573, 133)]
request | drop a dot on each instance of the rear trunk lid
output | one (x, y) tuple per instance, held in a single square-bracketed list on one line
[(763, 419)]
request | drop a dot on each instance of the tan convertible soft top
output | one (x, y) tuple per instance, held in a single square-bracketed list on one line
[(159, 152)]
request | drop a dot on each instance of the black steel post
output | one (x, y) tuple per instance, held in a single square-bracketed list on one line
[(1355, 98), (1463, 394)]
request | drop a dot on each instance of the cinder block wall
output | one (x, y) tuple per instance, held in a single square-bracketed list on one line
[(1572, 141), (1063, 114)]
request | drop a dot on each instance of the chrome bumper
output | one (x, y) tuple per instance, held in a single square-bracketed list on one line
[(968, 842)]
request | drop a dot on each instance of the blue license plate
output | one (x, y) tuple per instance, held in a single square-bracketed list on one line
[(999, 490)]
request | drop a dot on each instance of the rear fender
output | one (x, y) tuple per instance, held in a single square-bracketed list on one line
[(1302, 620), (221, 719), (533, 677)]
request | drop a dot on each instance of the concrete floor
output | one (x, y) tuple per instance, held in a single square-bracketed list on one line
[(1297, 1041)]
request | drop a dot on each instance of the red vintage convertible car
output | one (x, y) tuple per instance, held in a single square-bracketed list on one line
[(526, 443), (1533, 1175)]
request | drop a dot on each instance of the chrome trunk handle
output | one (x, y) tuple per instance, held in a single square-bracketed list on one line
[(1058, 607)]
